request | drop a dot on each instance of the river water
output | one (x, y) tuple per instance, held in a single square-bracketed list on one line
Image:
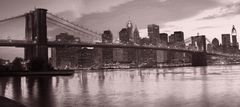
[(212, 86)]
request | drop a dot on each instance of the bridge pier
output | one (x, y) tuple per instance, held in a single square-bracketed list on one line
[(199, 59)]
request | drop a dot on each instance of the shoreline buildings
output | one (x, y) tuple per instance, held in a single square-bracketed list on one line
[(230, 45), (76, 57)]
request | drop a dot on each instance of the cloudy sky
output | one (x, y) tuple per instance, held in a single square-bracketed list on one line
[(208, 17)]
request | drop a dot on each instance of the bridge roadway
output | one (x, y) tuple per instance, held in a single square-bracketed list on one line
[(52, 44)]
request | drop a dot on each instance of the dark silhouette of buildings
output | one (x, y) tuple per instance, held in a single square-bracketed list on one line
[(107, 53), (136, 36), (153, 33), (128, 37), (129, 28), (162, 40), (107, 37), (87, 57), (147, 57), (216, 45), (235, 45), (63, 57), (123, 36), (176, 40), (226, 43), (215, 42)]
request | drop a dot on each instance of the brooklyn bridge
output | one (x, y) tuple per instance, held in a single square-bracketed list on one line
[(36, 41)]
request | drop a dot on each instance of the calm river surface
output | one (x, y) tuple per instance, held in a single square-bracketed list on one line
[(212, 86)]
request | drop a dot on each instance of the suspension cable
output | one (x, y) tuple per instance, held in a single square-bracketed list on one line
[(73, 23), (11, 18), (67, 25)]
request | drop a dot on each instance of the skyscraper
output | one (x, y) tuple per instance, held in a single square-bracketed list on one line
[(147, 56), (234, 36), (176, 40), (123, 36), (216, 45), (153, 32), (235, 45), (226, 43), (178, 36), (129, 28), (136, 36), (163, 38), (162, 55), (107, 53), (107, 36), (125, 55), (65, 56)]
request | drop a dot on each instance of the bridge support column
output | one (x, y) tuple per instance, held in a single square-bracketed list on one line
[(199, 59), (29, 52), (36, 31), (40, 24)]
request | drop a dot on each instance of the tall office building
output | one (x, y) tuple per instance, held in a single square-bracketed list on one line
[(147, 57), (162, 55), (215, 42), (226, 43), (216, 45), (176, 40), (153, 32), (235, 45), (129, 28), (226, 40), (234, 36), (123, 36), (72, 56), (107, 53), (65, 56), (107, 36), (163, 38), (125, 55), (136, 36), (177, 37)]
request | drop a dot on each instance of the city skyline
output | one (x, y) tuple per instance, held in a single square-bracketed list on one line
[(208, 17), (117, 53), (190, 16)]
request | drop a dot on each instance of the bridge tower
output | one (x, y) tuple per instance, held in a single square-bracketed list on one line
[(30, 35), (36, 31), (200, 58)]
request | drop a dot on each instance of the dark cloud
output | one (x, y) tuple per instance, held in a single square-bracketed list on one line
[(144, 12)]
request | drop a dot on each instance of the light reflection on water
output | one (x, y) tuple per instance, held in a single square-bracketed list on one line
[(171, 87)]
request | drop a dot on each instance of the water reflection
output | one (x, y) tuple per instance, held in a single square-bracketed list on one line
[(175, 87), (17, 90), (205, 92)]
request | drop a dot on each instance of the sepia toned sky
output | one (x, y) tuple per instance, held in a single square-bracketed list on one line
[(208, 17)]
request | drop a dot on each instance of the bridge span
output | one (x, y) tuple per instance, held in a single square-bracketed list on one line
[(54, 44), (37, 44)]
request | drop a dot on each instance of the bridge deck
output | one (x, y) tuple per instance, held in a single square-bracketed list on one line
[(52, 44)]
